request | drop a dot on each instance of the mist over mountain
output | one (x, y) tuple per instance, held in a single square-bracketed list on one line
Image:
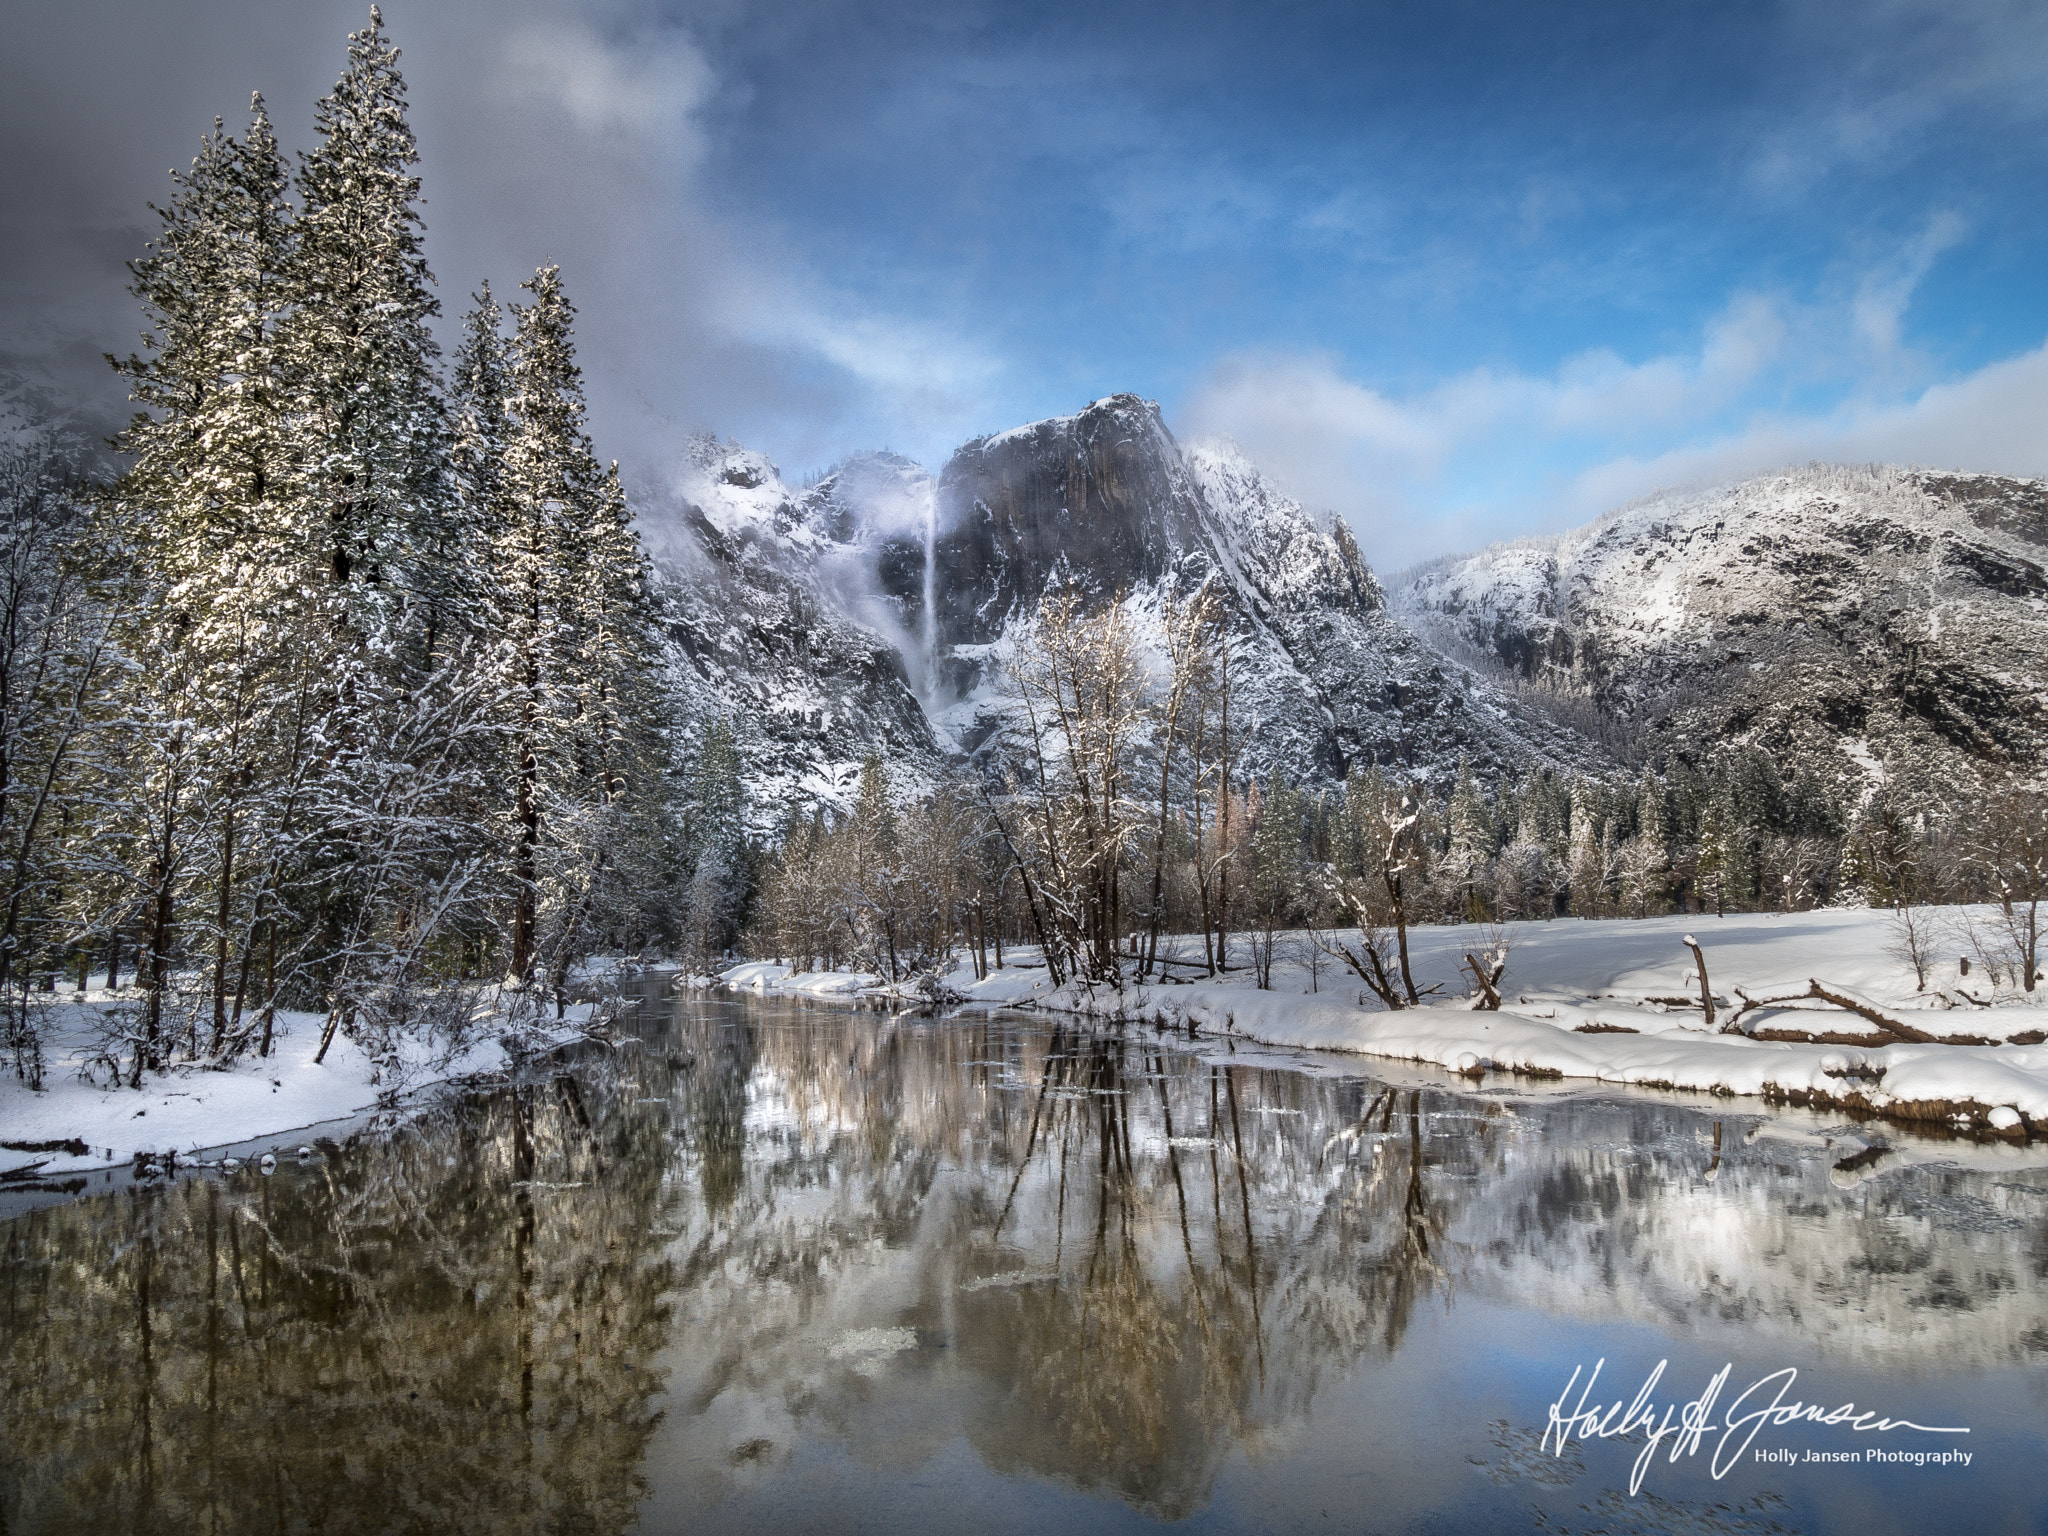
[(1871, 625), (873, 609)]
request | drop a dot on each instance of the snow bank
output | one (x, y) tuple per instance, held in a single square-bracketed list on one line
[(1605, 1001), (191, 1106)]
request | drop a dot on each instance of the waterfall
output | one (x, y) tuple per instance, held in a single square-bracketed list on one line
[(931, 619)]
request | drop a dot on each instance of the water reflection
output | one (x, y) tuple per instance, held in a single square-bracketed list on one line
[(768, 1255), (451, 1328)]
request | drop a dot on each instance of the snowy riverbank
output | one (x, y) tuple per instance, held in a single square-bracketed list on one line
[(1609, 1001), (77, 1123)]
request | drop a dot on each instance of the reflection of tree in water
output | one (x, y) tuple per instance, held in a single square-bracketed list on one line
[(1136, 1363), (717, 1118), (1099, 1260), (1133, 1272), (449, 1328), (1139, 1366)]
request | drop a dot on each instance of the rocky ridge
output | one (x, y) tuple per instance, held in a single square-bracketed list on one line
[(870, 611), (1871, 624), (762, 621)]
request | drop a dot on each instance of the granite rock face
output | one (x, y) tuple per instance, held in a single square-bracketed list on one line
[(761, 622), (870, 611), (1868, 624)]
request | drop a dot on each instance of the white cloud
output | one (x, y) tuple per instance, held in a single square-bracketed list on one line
[(1864, 84), (1343, 444), (1882, 296), (584, 136), (1988, 421), (648, 83), (1491, 454)]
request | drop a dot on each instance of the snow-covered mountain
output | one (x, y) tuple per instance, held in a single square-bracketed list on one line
[(1870, 623), (1108, 499), (767, 618), (870, 610)]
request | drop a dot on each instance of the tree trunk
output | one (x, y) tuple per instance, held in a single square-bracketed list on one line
[(1223, 851), (1706, 992), (1401, 941), (220, 945)]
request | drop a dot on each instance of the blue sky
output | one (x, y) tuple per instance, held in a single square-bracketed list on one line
[(1459, 271)]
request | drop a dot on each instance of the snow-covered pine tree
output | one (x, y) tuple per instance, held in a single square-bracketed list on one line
[(481, 413), (716, 846), (376, 481), (1645, 859), (1727, 863), (584, 778), (371, 514), (624, 713), (1585, 868), (1470, 848), (551, 490), (209, 606)]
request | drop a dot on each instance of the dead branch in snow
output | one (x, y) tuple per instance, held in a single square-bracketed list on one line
[(1488, 977), (1706, 992), (1863, 1007)]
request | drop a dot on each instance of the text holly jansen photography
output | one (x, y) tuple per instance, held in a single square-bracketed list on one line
[(1763, 1402)]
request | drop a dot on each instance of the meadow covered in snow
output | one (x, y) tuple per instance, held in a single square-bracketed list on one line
[(1614, 1001)]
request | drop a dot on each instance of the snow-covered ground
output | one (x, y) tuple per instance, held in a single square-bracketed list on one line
[(1581, 1001), (1608, 1001), (193, 1106)]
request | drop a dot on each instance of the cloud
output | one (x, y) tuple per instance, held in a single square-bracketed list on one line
[(588, 140), (1868, 85), (1343, 444), (582, 132), (647, 84), (1988, 421), (1882, 296), (1489, 453)]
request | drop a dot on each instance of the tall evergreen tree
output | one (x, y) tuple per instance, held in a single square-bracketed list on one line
[(361, 351), (550, 487), (211, 611), (717, 847), (1585, 868), (1471, 842), (583, 775)]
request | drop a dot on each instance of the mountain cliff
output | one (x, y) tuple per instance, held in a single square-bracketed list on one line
[(870, 610), (1107, 499), (1872, 624), (762, 621)]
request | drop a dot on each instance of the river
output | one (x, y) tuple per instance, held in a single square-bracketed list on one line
[(777, 1267)]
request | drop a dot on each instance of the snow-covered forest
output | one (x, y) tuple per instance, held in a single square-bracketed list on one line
[(348, 690), (342, 696), (1113, 816)]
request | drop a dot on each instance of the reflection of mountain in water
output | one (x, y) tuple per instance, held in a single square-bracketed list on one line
[(1039, 1239), (1090, 1259), (1928, 1265)]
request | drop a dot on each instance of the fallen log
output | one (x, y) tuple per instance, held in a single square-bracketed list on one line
[(1850, 1002), (1734, 1024), (1864, 1008)]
